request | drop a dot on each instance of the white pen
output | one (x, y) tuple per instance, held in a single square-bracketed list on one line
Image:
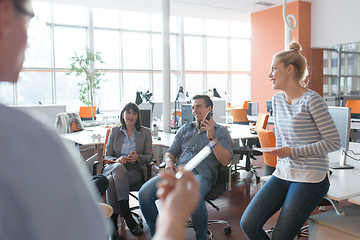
[(197, 158)]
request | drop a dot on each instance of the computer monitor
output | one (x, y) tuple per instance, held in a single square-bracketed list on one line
[(269, 107), (186, 114), (146, 118), (342, 118)]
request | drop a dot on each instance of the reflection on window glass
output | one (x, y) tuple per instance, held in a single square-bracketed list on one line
[(218, 81), (67, 41), (135, 20), (42, 11), (193, 26), (38, 52), (217, 54), (107, 43), (240, 55), (108, 96), (216, 28), (71, 15), (240, 88), (34, 88), (135, 50), (194, 84), (194, 53), (133, 82), (7, 93), (67, 91), (106, 18)]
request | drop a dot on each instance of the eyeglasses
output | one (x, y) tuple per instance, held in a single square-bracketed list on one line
[(23, 10)]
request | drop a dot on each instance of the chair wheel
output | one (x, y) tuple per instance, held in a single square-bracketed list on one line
[(227, 230)]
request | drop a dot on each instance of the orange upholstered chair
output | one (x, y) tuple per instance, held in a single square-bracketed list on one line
[(85, 112), (267, 139), (354, 106), (106, 139), (246, 105), (262, 121), (239, 116)]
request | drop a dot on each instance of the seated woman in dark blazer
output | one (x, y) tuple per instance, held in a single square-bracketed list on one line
[(129, 147)]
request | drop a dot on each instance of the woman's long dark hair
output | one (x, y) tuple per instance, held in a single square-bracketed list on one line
[(136, 110)]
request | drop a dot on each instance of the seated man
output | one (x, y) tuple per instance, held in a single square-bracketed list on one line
[(190, 139)]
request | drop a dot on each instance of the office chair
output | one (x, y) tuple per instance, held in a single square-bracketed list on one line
[(267, 139), (85, 112), (354, 106), (216, 191), (68, 122), (100, 181), (239, 116), (246, 149), (246, 105)]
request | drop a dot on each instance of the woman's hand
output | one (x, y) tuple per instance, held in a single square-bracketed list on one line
[(122, 160), (282, 152), (107, 161), (133, 157)]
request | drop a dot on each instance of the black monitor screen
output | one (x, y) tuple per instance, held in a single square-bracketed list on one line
[(145, 117), (269, 106)]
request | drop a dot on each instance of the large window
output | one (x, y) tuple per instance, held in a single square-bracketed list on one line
[(342, 70), (204, 54)]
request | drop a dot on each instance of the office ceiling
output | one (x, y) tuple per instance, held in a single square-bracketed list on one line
[(238, 10)]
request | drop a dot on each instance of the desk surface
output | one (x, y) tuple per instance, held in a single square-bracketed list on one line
[(254, 118), (239, 131), (165, 139), (85, 137), (343, 182)]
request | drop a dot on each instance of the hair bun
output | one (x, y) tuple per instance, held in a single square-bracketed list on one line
[(295, 46)]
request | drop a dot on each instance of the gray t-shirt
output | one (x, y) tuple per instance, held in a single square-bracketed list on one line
[(43, 193)]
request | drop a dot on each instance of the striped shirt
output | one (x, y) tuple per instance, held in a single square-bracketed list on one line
[(308, 129)]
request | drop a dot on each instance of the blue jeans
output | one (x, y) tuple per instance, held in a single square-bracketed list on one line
[(297, 201), (147, 198)]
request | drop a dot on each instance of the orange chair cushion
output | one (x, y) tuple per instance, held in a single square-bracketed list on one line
[(85, 111)]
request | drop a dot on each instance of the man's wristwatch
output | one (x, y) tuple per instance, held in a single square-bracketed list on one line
[(213, 138)]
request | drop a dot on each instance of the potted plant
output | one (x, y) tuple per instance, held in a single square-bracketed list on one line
[(85, 64)]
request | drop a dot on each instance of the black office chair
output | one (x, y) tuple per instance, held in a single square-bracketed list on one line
[(249, 153), (146, 170), (218, 189)]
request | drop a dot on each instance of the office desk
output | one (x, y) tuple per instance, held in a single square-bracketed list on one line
[(340, 223), (84, 138), (165, 141), (343, 182), (254, 118)]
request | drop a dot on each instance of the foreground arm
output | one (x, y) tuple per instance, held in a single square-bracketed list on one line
[(179, 198)]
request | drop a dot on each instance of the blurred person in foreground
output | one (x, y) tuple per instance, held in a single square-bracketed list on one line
[(179, 199), (44, 194)]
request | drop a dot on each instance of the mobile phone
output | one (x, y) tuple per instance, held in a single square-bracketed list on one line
[(207, 117)]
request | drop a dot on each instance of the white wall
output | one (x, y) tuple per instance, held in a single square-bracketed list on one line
[(334, 22)]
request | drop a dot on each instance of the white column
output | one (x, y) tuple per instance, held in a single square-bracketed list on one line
[(166, 65)]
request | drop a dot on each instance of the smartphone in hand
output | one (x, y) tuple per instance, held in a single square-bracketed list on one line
[(207, 117)]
